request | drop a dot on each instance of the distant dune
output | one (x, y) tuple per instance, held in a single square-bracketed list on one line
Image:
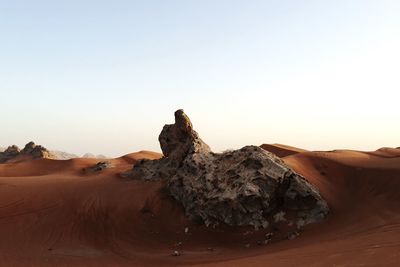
[(92, 156), (282, 150), (63, 155), (387, 152), (52, 214)]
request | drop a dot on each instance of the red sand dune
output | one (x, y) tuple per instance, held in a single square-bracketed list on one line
[(282, 150), (52, 214)]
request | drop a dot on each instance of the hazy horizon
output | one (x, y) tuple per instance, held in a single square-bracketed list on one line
[(104, 78)]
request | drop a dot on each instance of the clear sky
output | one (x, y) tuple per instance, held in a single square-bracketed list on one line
[(105, 76)]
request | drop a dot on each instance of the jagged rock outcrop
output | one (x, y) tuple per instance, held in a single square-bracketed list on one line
[(10, 153), (30, 150), (36, 151), (248, 186)]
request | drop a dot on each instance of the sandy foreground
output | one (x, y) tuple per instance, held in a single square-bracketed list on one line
[(53, 214)]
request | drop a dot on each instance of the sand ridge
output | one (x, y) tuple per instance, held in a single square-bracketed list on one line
[(282, 150)]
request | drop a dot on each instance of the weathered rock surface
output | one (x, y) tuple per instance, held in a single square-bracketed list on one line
[(10, 153), (36, 151), (30, 150), (248, 186)]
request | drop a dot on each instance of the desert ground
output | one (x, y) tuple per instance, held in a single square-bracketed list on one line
[(54, 214)]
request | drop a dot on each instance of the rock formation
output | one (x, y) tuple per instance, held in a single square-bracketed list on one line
[(36, 151), (248, 186), (99, 166), (30, 150), (10, 153)]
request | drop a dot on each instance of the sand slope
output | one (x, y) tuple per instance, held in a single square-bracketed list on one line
[(52, 214), (282, 150)]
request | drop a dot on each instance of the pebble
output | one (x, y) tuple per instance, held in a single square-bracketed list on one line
[(176, 253), (268, 236)]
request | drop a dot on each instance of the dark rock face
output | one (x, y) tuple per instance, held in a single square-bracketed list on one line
[(30, 150), (10, 153), (249, 186), (36, 151)]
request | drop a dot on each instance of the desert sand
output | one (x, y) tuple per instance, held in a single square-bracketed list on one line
[(54, 214)]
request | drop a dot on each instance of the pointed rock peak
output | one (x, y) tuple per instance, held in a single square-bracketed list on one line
[(182, 121), (179, 139)]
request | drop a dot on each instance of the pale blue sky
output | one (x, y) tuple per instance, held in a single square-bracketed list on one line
[(105, 76)]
